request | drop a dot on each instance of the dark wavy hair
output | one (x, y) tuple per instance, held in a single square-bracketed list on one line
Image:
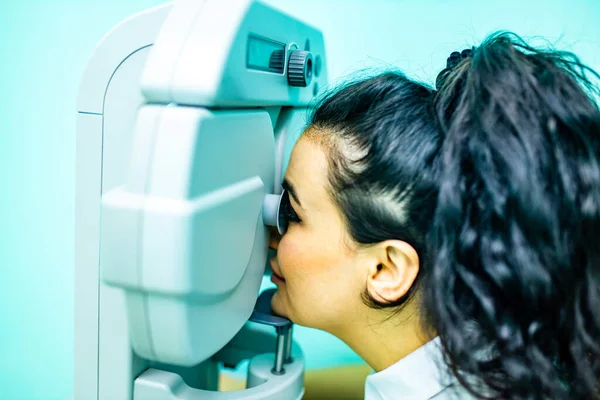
[(495, 181), (514, 292), (382, 141)]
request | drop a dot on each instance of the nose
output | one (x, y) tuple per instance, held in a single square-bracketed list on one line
[(274, 238)]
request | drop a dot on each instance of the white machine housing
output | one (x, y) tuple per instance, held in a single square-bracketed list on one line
[(184, 126)]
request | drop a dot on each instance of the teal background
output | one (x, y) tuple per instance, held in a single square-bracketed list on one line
[(44, 46)]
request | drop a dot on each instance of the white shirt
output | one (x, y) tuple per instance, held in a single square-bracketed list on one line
[(421, 375)]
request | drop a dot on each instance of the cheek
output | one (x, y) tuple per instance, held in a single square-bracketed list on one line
[(290, 256), (310, 259), (303, 256), (318, 279)]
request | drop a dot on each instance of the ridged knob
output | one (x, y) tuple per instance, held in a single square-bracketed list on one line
[(300, 68), (277, 61)]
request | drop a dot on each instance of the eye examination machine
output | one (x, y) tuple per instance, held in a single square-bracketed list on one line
[(186, 117)]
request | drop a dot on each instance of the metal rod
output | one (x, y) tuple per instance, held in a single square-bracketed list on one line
[(280, 351), (287, 359)]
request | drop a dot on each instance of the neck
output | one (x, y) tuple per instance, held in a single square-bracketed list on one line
[(382, 341)]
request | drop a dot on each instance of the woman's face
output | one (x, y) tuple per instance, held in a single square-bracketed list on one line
[(322, 280)]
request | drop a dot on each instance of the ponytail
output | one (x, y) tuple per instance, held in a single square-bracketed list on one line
[(514, 291)]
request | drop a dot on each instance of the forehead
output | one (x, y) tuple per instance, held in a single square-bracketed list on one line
[(307, 171)]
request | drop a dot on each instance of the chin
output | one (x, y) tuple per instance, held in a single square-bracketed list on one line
[(277, 307)]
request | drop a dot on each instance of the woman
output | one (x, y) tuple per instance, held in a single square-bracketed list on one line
[(449, 237)]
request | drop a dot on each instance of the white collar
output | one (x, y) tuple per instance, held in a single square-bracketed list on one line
[(420, 375)]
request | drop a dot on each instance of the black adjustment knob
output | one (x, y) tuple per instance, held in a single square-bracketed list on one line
[(300, 68), (277, 60)]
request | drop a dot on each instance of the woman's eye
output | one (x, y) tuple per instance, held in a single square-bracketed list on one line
[(287, 211), (291, 215)]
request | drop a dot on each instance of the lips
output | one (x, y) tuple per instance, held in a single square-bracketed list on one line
[(275, 269)]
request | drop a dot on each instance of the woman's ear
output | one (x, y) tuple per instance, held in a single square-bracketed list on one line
[(393, 269)]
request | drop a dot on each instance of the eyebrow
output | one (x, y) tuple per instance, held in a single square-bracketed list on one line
[(287, 185)]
